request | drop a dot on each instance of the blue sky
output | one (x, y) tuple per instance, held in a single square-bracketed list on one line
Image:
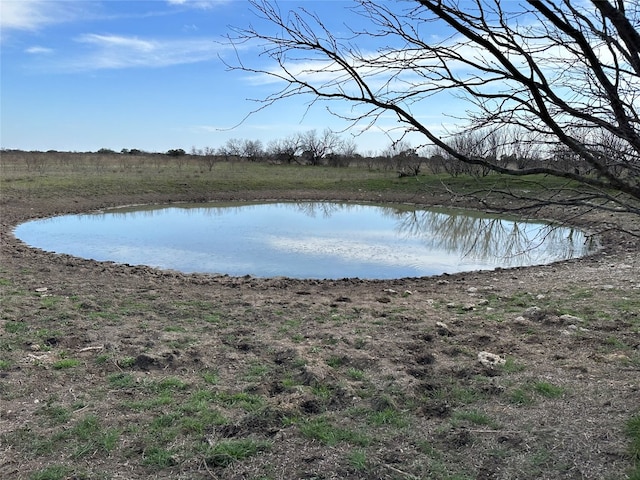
[(83, 75)]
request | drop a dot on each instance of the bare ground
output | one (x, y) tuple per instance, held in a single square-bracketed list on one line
[(319, 379)]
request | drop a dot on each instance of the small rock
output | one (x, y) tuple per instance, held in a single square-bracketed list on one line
[(483, 302), (612, 357), (451, 305), (571, 319), (442, 282), (467, 307), (443, 329), (472, 289), (490, 360), (576, 328), (534, 313), (521, 321), (41, 289)]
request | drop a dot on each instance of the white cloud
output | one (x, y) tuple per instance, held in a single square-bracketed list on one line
[(119, 51), (34, 14), (118, 42), (203, 4), (38, 50)]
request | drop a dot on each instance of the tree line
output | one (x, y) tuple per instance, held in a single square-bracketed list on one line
[(510, 149)]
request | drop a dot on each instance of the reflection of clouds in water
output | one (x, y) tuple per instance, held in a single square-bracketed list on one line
[(184, 260), (413, 253), (352, 251)]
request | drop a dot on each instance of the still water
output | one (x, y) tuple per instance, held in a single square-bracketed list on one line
[(305, 240)]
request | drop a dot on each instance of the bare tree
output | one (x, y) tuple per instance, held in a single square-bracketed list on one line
[(252, 150), (563, 73), (317, 146), (284, 150), (209, 157), (232, 149)]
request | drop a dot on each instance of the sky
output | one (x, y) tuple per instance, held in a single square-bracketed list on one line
[(81, 75)]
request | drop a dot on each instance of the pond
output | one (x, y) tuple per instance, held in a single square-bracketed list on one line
[(316, 240)]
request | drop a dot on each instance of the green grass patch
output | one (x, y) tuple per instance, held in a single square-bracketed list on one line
[(358, 460), (15, 327), (159, 457), (87, 437), (121, 380), (126, 362), (511, 366), (166, 385), (456, 394), (210, 376), (474, 417), (226, 452), (632, 430), (255, 372), (526, 394), (548, 390), (323, 430), (66, 363), (53, 472), (355, 374), (198, 413), (56, 414), (150, 403), (388, 416), (521, 397), (243, 400), (335, 362)]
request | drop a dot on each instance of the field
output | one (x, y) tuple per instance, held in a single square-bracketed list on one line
[(112, 371)]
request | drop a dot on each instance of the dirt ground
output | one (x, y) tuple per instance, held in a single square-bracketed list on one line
[(342, 353)]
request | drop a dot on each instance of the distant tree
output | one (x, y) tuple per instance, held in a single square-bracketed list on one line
[(132, 151), (316, 146), (105, 151), (563, 73), (177, 152), (209, 157), (284, 150), (343, 155), (252, 150), (232, 149)]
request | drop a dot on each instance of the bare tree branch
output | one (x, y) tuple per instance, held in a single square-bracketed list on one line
[(564, 75)]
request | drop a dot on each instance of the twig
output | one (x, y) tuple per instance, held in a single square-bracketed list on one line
[(86, 349), (115, 362), (397, 470)]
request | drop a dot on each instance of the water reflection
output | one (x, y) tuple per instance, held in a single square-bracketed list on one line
[(509, 242), (305, 239)]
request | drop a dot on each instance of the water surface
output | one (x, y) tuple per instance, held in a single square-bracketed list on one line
[(305, 240)]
